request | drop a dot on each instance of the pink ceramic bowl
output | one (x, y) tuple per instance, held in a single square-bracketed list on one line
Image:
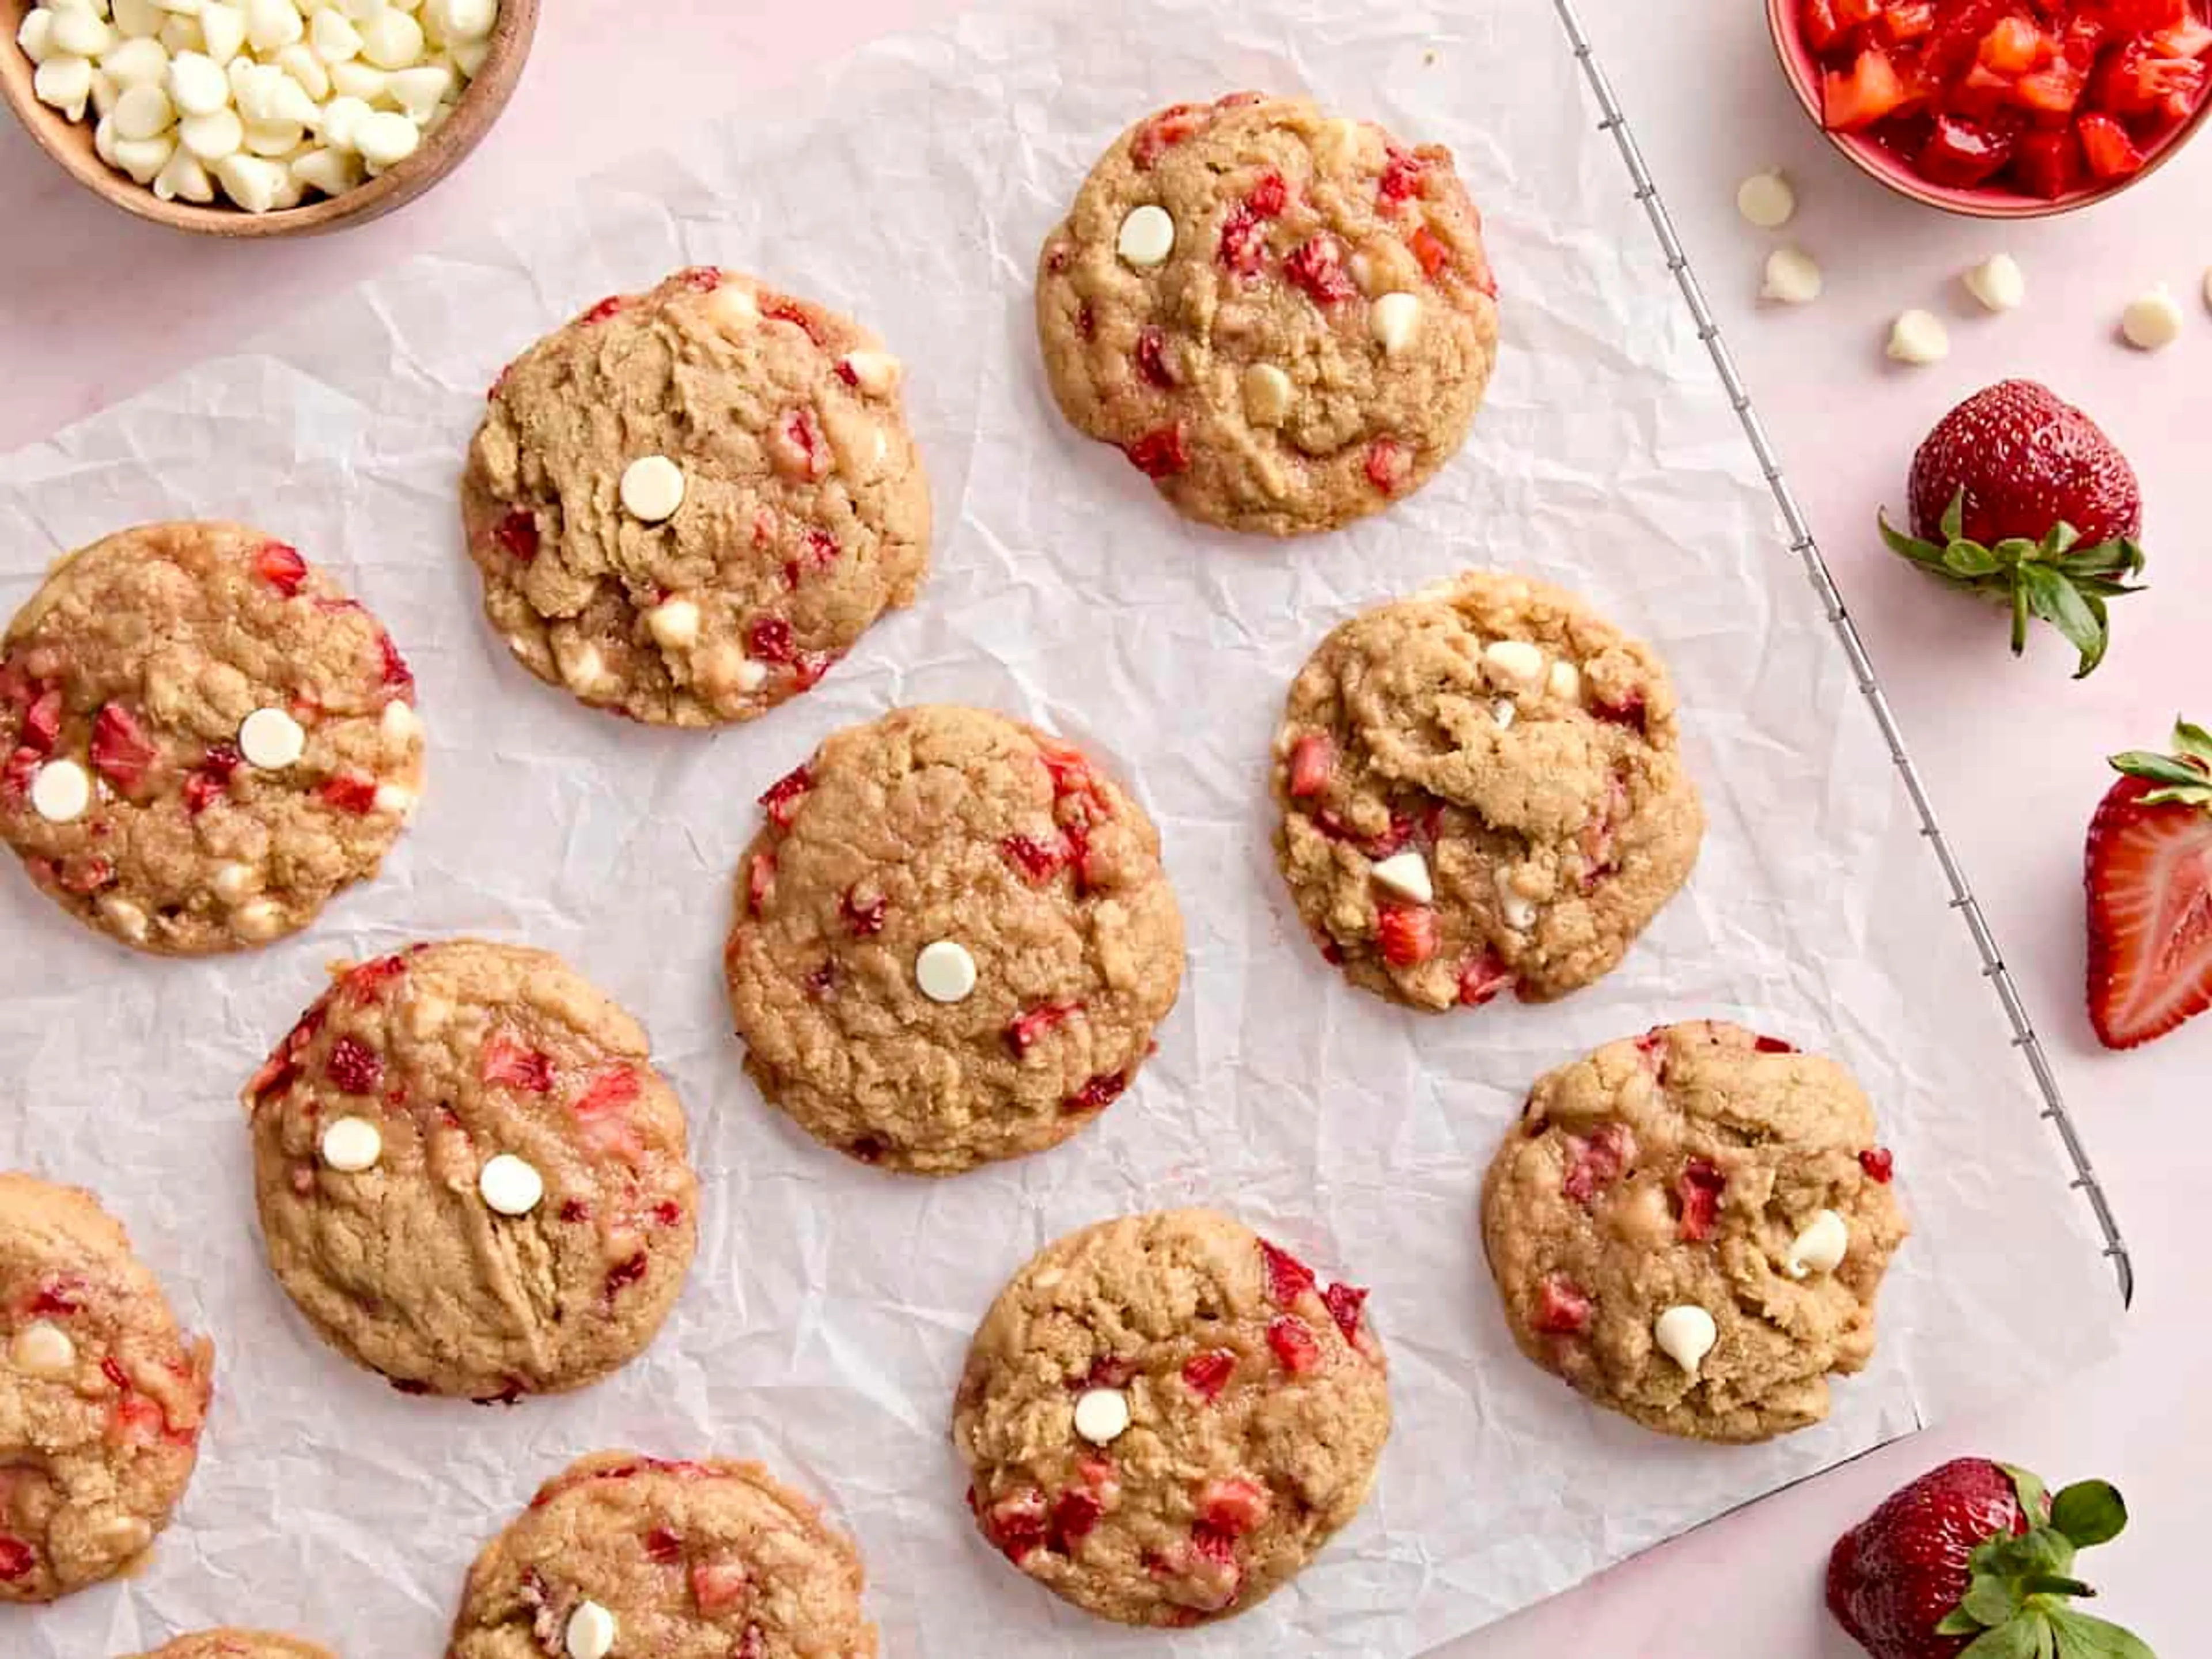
[(1802, 71)]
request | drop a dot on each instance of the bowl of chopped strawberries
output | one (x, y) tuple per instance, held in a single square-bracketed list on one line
[(2000, 109)]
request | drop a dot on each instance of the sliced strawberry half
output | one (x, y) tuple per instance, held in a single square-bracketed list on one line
[(2148, 872)]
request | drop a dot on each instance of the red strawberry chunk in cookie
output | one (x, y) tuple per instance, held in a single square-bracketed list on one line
[(863, 913), (1699, 1190), (1203, 1573), (781, 798), (350, 792), (1152, 356), (1207, 1374), (121, 750), (1033, 858), (281, 568), (1482, 978), (1073, 1516), (1313, 758), (1878, 1163), (1595, 1164), (1429, 250), (601, 1110), (1234, 1506), (1344, 1303), (797, 447), (1160, 454), (1561, 1308), (16, 1558), (760, 882), (517, 533), (210, 780), (1388, 464), (663, 1546), (1407, 934), (1401, 179), (1098, 1092), (783, 310), (1016, 1523), (516, 1065), (1317, 266), (1026, 1028), (1288, 1278), (42, 722), (353, 1066), (1169, 127), (1294, 1344), (623, 1274), (718, 1586)]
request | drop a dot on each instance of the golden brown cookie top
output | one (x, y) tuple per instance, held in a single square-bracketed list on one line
[(687, 504), (239, 1644), (1285, 319), (1166, 1417), (202, 738), (1691, 1226)]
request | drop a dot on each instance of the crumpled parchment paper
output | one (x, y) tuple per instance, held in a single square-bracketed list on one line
[(823, 1326)]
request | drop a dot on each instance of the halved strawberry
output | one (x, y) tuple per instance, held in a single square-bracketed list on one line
[(2149, 874), (1407, 933)]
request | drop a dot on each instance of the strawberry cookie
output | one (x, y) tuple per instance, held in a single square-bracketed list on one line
[(202, 738), (239, 1644), (687, 504), (102, 1397), (471, 1178), (625, 1554), (1481, 791), (1285, 319), (953, 940), (1691, 1227), (1166, 1417)]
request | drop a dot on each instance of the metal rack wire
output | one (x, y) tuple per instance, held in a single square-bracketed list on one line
[(1808, 551)]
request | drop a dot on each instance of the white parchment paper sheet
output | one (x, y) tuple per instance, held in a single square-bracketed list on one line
[(823, 1326)]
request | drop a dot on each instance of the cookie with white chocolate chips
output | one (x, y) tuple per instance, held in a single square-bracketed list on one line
[(471, 1178), (1285, 320), (239, 1644), (621, 1553), (203, 740), (687, 504), (1690, 1228), (102, 1399), (1166, 1417), (1481, 789), (954, 939)]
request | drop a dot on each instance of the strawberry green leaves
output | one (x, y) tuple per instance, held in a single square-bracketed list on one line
[(2016, 1603), (2185, 776), (2056, 580)]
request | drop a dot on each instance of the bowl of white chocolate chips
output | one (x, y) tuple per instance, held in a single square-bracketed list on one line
[(261, 117)]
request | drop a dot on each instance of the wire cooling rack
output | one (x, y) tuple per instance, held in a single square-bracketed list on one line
[(1807, 550)]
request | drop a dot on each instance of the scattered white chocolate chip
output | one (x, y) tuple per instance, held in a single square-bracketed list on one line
[(1686, 1334), (651, 488), (144, 112), (1394, 319), (1101, 1415), (1766, 200), (1505, 711), (1268, 393), (733, 307), (674, 625), (581, 664), (2152, 321), (1919, 337), (1147, 236), (395, 801), (234, 883), (399, 725), (352, 1145), (1565, 682), (272, 739), (64, 82), (1406, 874), (944, 971), (1518, 909), (257, 922), (197, 84), (591, 1632), (510, 1186), (1820, 1248), (1516, 660), (385, 139), (1793, 277), (1998, 282), (873, 372), (124, 917), (43, 1348), (751, 675), (61, 792)]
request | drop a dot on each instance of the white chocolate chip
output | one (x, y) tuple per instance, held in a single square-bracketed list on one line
[(873, 372), (123, 1534), (144, 112), (420, 89), (65, 84), (1101, 1415), (272, 739), (390, 39), (137, 18), (182, 179), (1820, 1248), (81, 33), (143, 159), (1147, 236), (399, 725), (1793, 277), (393, 801), (674, 625), (197, 85), (581, 664), (43, 1348), (257, 922), (1267, 395), (510, 1186), (124, 917), (137, 62), (364, 80), (332, 38), (234, 883), (591, 1632), (222, 31), (462, 20), (35, 35), (351, 1144), (1998, 283), (1406, 874), (385, 139), (251, 182), (313, 77), (751, 675), (651, 488), (733, 308), (2152, 321), (61, 791), (1919, 337), (1686, 1334), (1565, 682), (339, 121), (1518, 909), (944, 971), (272, 24), (1505, 711), (1516, 660), (1766, 200), (1394, 319), (330, 171)]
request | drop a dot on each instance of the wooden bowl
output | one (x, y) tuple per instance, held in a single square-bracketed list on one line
[(69, 143), (1802, 71)]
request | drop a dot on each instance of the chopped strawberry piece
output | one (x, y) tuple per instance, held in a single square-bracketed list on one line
[(782, 310), (2014, 47), (1233, 1506), (1288, 1278), (1203, 1573), (1035, 860), (1870, 91), (700, 279), (768, 640), (1699, 1189), (1026, 1028), (1388, 464), (394, 668), (718, 1586), (353, 1066), (820, 549), (515, 1065), (518, 534), (1561, 1308), (17, 775), (1098, 1092), (55, 1297), (1406, 932), (365, 983), (663, 1546), (798, 447), (605, 308), (42, 722), (574, 1209), (2048, 164), (781, 798), (623, 1274), (1880, 1163), (211, 779), (1243, 246), (1169, 127), (1152, 356), (1313, 757), (1767, 1045), (751, 1645), (121, 750), (616, 1087), (863, 916), (1086, 320), (2056, 90), (1016, 1523), (1964, 152), (1108, 1370), (136, 1421), (1160, 452), (1429, 248), (87, 876), (1294, 1344), (1344, 1303), (1595, 1164), (2111, 154), (822, 981), (1401, 179), (281, 568), (1481, 977), (1317, 266), (1906, 22), (760, 881), (1207, 1374), (350, 792), (1073, 1516), (16, 1559), (1269, 197), (1630, 711)]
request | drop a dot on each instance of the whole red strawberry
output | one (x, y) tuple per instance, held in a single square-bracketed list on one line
[(2147, 870), (1975, 1555), (2021, 497)]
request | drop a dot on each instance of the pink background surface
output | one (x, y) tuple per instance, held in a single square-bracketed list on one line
[(99, 306)]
